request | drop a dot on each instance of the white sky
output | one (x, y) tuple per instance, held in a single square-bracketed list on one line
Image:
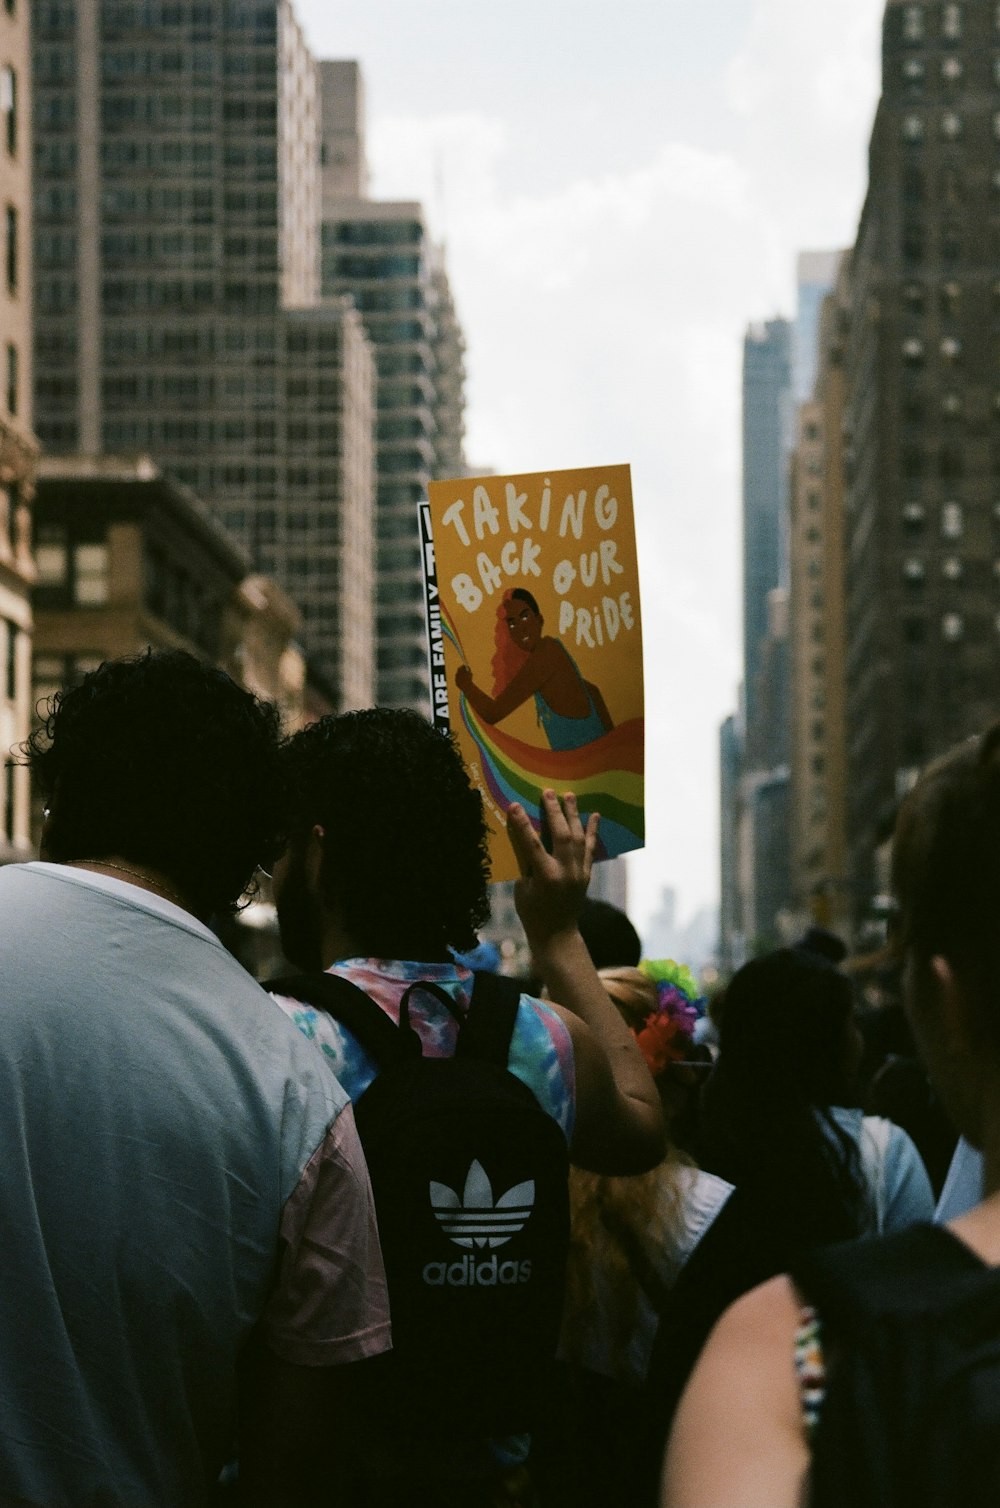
[(623, 185)]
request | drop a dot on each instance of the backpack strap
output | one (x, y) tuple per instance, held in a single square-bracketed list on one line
[(355, 1010), (486, 1032)]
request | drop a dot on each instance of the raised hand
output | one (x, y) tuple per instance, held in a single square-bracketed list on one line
[(553, 881)]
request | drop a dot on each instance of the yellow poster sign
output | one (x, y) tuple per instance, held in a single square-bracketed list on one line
[(536, 635)]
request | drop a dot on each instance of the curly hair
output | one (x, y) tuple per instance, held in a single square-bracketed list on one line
[(167, 762), (406, 858)]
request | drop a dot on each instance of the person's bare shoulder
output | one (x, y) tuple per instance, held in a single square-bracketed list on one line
[(552, 653), (738, 1437)]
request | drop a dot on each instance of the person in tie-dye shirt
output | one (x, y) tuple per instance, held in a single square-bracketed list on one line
[(384, 875)]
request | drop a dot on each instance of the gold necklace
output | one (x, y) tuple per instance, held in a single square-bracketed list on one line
[(170, 895)]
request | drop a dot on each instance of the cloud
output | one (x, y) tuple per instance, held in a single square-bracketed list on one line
[(604, 322)]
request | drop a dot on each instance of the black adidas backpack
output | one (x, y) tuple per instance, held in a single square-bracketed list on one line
[(470, 1178), (911, 1335)]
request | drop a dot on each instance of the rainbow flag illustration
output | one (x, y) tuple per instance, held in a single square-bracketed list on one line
[(605, 775)]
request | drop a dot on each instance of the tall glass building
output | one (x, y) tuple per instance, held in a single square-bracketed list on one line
[(178, 307), (380, 254)]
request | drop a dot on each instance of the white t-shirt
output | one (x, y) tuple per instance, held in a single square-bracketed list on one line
[(176, 1164), (899, 1189)]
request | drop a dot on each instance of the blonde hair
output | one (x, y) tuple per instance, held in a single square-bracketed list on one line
[(601, 1205)]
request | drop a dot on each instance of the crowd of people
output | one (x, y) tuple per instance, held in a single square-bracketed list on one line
[(393, 1231)]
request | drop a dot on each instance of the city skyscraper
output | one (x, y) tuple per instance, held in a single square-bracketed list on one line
[(17, 443), (754, 745), (816, 604), (767, 377), (923, 417), (731, 930), (177, 290), (381, 254), (815, 275)]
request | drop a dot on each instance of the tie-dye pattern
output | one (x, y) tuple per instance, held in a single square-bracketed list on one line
[(541, 1054)]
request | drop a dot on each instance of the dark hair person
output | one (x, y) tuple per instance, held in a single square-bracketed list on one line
[(788, 1048), (896, 1341), (190, 1201), (410, 885), (167, 763)]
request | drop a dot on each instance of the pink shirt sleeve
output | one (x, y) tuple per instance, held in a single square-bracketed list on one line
[(330, 1303)]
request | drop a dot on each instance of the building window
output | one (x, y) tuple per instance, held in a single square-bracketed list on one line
[(951, 22), (951, 70), (951, 299), (952, 627), (71, 571), (8, 108), (913, 23), (951, 349), (951, 242), (913, 297), (952, 185), (13, 379), (951, 461), (951, 405), (951, 521), (913, 517), (913, 572), (951, 125), (8, 800), (913, 71), (912, 462), (913, 186), (913, 128), (951, 569), (90, 574), (913, 244), (913, 351), (51, 557), (11, 248), (13, 635)]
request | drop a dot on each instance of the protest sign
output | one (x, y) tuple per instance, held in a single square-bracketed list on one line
[(536, 644)]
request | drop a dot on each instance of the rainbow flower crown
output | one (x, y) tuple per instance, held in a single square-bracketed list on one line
[(669, 1030)]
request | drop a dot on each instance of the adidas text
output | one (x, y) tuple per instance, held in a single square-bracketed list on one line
[(468, 1273)]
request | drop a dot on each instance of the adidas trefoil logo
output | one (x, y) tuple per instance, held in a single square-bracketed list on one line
[(475, 1220)]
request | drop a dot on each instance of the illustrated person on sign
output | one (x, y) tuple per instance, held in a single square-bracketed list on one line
[(529, 663)]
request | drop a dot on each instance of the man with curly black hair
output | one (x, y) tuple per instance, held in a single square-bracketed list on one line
[(384, 878), (179, 1175)]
